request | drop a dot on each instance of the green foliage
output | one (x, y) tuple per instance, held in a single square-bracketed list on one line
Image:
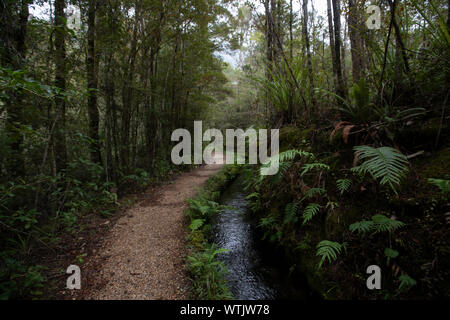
[(378, 224), (285, 160), (22, 280), (310, 211), (253, 201), (290, 213), (329, 251), (196, 224), (314, 166), (208, 274), (281, 87), (314, 191), (140, 177), (362, 227), (343, 185), (360, 110), (406, 282), (390, 254), (383, 163), (443, 185)]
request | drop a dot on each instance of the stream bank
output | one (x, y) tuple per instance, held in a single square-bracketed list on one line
[(256, 270)]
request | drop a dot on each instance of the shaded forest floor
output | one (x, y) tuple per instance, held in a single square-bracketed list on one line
[(141, 253)]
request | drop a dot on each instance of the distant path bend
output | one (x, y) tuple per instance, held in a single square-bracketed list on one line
[(143, 255)]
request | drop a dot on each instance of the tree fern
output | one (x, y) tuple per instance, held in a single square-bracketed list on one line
[(384, 163), (310, 211), (343, 185), (329, 250)]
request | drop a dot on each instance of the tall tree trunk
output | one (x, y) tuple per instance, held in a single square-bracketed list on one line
[(60, 82), (332, 44), (291, 32), (355, 29), (398, 38), (340, 90), (269, 52), (308, 50), (92, 82), (127, 99)]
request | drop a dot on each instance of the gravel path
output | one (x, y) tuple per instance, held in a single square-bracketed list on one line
[(143, 256)]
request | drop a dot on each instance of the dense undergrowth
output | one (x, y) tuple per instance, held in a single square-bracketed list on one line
[(334, 215), (207, 273), (41, 216)]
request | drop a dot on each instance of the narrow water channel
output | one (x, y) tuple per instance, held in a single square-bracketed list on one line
[(255, 272)]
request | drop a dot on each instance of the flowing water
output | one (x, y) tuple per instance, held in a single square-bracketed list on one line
[(255, 271)]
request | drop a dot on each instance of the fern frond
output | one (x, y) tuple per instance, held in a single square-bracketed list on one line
[(196, 224), (384, 163), (329, 250), (311, 166), (378, 224), (285, 160), (312, 192), (332, 205), (444, 185), (343, 185), (384, 224), (254, 195), (290, 155), (310, 211), (362, 227)]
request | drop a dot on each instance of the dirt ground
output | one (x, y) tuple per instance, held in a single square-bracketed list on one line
[(143, 254)]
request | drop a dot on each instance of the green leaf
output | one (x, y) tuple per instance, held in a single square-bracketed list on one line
[(196, 224), (385, 164), (310, 211)]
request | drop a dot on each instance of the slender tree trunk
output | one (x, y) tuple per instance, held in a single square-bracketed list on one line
[(291, 33), (60, 82), (269, 53), (332, 44), (92, 82), (308, 51), (398, 38), (127, 99), (337, 49)]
